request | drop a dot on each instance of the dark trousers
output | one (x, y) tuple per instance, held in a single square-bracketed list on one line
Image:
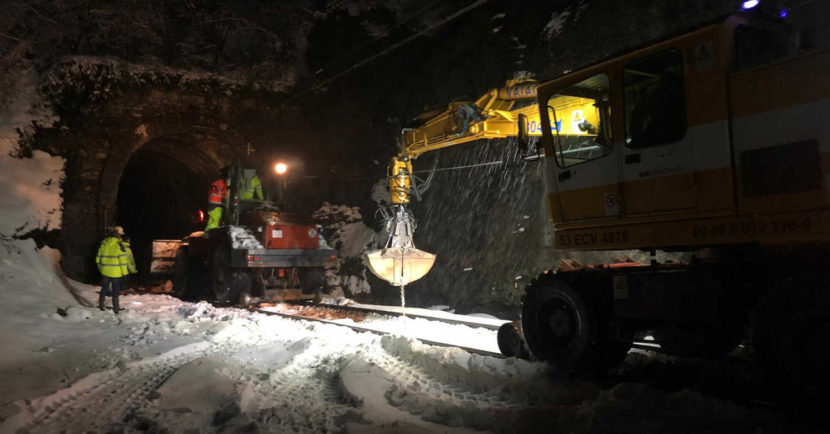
[(108, 283)]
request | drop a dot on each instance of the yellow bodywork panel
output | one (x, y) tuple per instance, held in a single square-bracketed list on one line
[(492, 116)]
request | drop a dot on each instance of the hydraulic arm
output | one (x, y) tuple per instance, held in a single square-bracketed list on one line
[(496, 114)]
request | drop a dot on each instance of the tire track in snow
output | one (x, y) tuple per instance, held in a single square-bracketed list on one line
[(436, 388), (417, 372), (103, 400), (304, 396)]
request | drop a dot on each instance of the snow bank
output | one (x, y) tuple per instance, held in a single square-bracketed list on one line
[(29, 199), (29, 187), (30, 290), (346, 232)]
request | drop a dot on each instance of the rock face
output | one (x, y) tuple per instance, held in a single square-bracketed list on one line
[(148, 114)]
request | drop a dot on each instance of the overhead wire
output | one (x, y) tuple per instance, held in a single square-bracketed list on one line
[(378, 38), (387, 50)]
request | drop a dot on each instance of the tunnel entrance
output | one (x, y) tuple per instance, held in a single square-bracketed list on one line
[(160, 195)]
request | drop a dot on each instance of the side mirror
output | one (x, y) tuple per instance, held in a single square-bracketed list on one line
[(523, 138), (522, 135)]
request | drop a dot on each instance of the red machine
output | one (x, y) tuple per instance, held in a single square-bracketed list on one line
[(261, 252)]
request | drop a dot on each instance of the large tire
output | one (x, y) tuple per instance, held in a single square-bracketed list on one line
[(220, 274), (181, 269), (231, 286), (313, 281), (562, 327), (240, 288), (511, 344)]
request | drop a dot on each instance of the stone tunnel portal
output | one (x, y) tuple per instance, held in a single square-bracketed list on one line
[(162, 189)]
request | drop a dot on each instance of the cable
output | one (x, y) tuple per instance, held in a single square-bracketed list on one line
[(364, 44), (460, 12), (491, 163)]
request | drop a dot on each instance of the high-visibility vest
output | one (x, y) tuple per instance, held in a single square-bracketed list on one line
[(112, 258), (129, 267), (218, 192), (251, 187)]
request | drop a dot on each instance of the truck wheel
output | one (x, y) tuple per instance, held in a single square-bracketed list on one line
[(560, 326), (556, 325), (180, 272), (240, 288), (312, 281), (511, 344), (229, 285), (221, 274)]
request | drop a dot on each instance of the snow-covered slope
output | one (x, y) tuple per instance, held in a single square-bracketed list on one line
[(29, 187)]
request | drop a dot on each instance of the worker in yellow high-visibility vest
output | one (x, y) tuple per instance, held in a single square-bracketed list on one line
[(251, 186), (112, 262)]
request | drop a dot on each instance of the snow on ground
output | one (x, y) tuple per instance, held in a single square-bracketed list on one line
[(168, 365)]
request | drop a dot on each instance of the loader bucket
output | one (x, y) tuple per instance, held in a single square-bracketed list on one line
[(399, 265)]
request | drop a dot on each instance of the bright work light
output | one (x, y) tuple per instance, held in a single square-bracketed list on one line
[(280, 168), (749, 4)]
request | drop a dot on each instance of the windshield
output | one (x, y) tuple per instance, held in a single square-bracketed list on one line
[(580, 119)]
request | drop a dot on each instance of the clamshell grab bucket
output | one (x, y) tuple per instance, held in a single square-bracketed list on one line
[(399, 262), (400, 265)]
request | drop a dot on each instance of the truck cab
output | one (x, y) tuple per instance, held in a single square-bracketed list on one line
[(713, 137)]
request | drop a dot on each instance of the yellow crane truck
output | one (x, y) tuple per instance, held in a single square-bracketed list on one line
[(715, 143)]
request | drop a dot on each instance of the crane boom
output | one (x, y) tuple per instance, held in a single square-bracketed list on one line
[(494, 115)]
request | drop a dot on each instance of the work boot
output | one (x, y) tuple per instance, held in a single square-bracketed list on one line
[(101, 301), (115, 306)]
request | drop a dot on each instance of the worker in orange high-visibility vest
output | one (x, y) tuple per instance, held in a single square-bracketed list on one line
[(217, 200)]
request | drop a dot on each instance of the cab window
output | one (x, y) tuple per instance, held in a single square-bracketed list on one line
[(580, 119), (655, 105)]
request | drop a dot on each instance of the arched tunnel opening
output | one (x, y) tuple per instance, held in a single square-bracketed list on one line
[(162, 190)]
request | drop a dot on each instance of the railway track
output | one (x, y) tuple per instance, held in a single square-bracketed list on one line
[(330, 313), (729, 379), (393, 313), (363, 317)]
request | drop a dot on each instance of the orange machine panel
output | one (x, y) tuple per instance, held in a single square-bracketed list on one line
[(291, 237)]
